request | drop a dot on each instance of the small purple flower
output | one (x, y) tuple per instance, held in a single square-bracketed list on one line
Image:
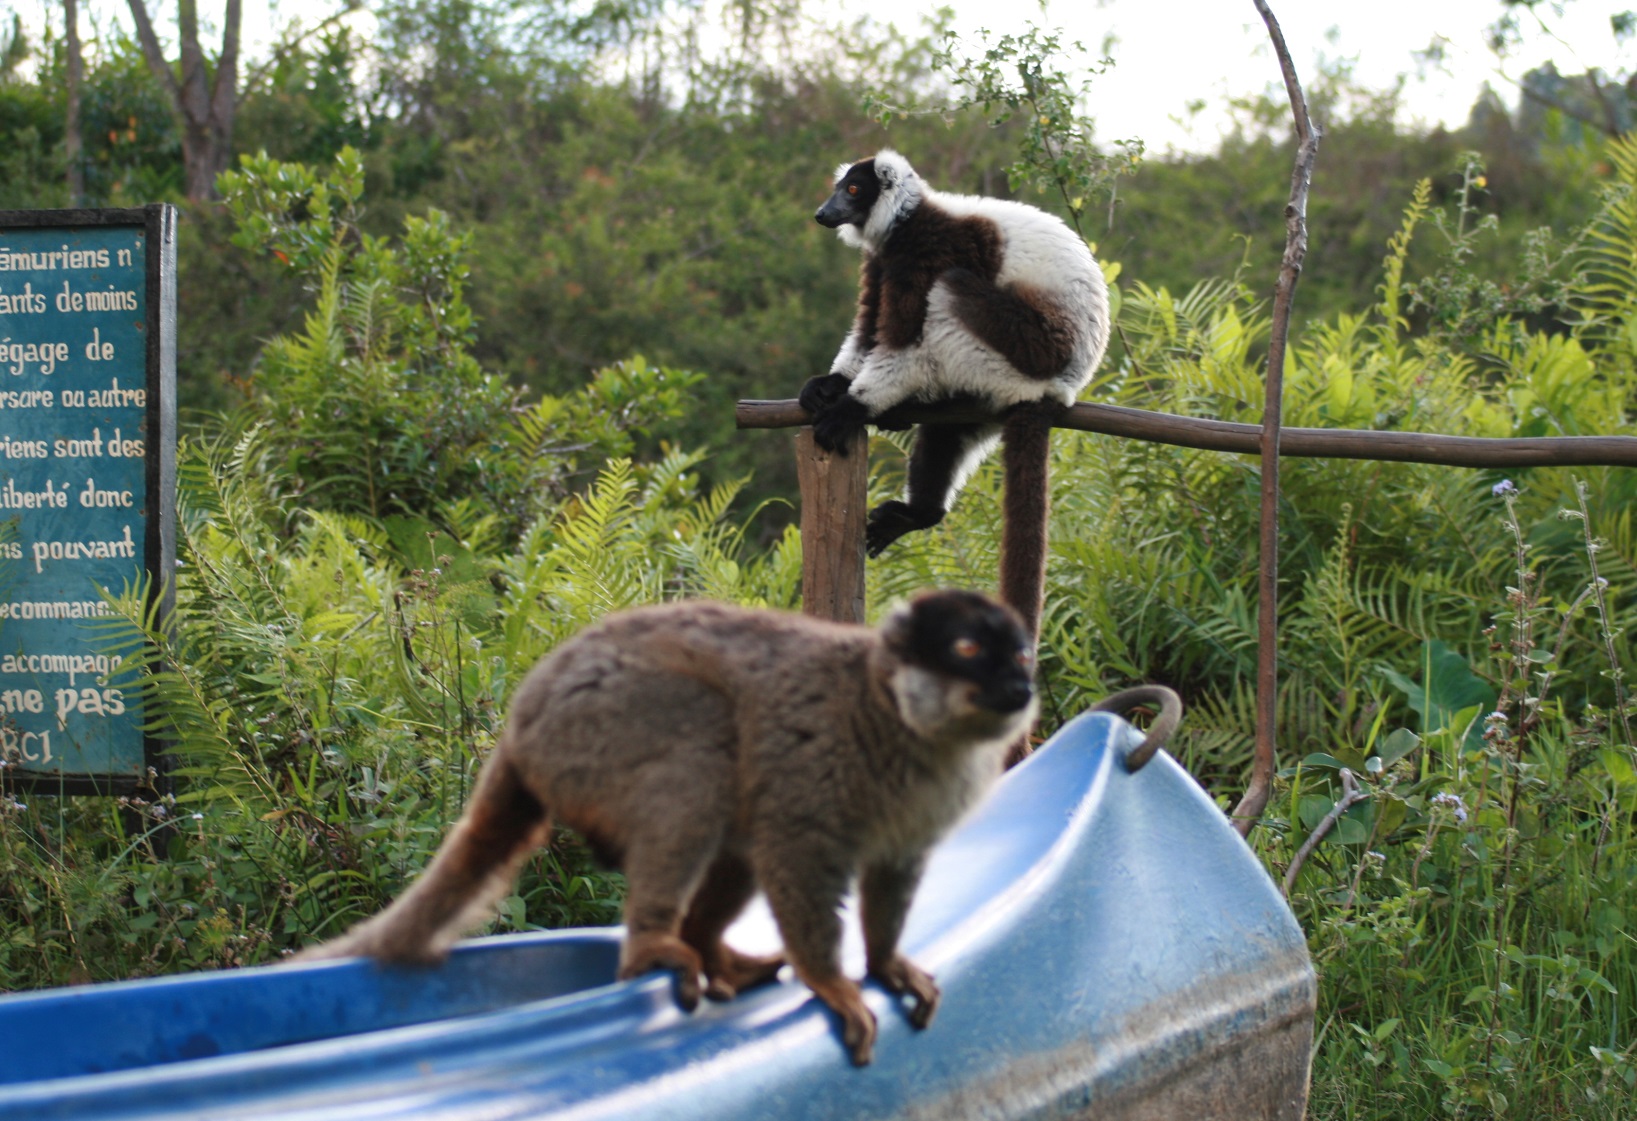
[(1503, 488), (1452, 802)]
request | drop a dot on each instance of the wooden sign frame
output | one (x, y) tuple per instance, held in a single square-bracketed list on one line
[(75, 252)]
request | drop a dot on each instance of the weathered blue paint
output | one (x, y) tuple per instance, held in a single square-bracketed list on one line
[(74, 361), (1103, 940)]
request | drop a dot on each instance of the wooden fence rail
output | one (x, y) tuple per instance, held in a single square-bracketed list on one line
[(1309, 443)]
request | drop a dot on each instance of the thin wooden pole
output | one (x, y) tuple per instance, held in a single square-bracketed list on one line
[(834, 494), (1264, 761)]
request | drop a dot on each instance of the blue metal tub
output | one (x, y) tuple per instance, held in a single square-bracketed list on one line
[(1106, 945)]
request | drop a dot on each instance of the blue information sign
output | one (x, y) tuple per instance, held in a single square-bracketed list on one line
[(86, 476)]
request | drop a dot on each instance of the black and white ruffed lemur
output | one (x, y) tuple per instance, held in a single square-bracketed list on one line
[(964, 299)]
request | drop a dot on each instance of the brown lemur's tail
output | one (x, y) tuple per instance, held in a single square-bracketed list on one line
[(1026, 456), (1165, 701), (473, 870)]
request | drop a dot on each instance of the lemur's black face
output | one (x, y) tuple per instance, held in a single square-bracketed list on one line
[(856, 193), (969, 636)]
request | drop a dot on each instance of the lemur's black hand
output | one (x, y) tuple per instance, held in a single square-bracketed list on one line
[(823, 391), (836, 425)]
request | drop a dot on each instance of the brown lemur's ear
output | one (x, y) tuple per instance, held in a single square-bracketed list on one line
[(898, 630)]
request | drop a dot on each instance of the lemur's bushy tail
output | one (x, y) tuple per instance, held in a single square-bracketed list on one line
[(1026, 457), (472, 871), (1027, 436)]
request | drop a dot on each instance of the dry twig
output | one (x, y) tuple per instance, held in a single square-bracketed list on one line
[(1350, 792)]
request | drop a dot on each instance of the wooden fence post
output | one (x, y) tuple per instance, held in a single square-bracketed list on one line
[(834, 494)]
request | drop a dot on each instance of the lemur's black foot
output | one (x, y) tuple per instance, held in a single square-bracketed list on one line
[(836, 425), (823, 391), (891, 520), (891, 420)]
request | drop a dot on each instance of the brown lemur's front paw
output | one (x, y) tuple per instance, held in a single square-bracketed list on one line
[(903, 977), (823, 391), (835, 427), (858, 1027)]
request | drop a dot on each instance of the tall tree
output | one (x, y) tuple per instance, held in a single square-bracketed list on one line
[(73, 142), (204, 103)]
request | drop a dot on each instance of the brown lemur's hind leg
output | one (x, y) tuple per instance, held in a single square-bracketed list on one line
[(668, 853), (473, 869), (943, 457), (1026, 457), (727, 888)]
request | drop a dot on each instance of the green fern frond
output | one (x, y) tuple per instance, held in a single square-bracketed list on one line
[(1610, 290), (1392, 266)]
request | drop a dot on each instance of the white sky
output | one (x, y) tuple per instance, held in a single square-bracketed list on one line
[(1171, 52)]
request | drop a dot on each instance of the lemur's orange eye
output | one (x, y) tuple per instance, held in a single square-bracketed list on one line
[(1023, 658), (965, 647), (852, 188)]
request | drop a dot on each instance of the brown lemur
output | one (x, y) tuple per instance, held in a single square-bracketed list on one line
[(964, 301), (708, 750)]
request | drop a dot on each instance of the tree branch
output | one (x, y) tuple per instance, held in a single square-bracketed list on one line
[(195, 97), (1611, 119), (224, 94), (287, 45), (1574, 113), (155, 54), (1256, 796)]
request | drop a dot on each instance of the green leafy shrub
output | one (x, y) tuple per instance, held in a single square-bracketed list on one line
[(364, 573), (376, 406)]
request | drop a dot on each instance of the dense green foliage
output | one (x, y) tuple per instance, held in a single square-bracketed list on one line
[(1444, 636), (444, 456), (650, 199), (365, 577)]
